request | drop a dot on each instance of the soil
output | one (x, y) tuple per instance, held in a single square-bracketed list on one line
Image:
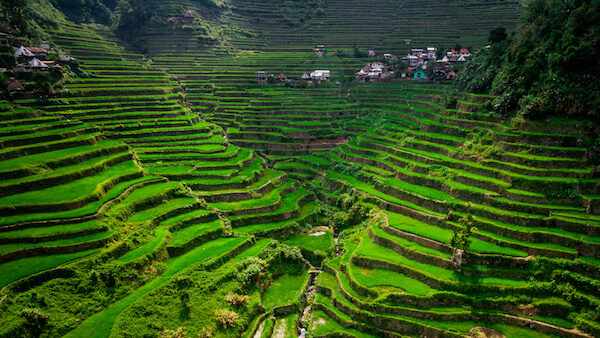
[(320, 143), (318, 322), (280, 328), (484, 332)]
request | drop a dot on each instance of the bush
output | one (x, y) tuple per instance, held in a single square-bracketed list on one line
[(167, 333), (226, 318), (250, 270), (236, 300)]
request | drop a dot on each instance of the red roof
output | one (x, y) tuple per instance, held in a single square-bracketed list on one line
[(464, 51), (37, 50)]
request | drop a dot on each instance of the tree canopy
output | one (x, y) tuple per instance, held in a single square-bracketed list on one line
[(550, 66)]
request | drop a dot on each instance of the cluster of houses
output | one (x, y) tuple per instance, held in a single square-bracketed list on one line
[(316, 77), (373, 72), (32, 59), (420, 56), (416, 64)]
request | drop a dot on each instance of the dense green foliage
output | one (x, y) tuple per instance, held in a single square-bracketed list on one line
[(171, 195), (549, 67)]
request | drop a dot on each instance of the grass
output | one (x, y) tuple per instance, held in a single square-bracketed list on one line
[(285, 326), (368, 249), (72, 191), (100, 324), (168, 205), (381, 277), (147, 248), (14, 270), (322, 325), (313, 243), (186, 234), (103, 235), (284, 290), (443, 235), (88, 209)]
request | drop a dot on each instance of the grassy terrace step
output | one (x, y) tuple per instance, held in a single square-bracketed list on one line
[(49, 233), (86, 139), (187, 238), (72, 195), (279, 227), (38, 163), (225, 156), (62, 175), (89, 211), (17, 269), (366, 188), (444, 235), (11, 252), (432, 275), (144, 198), (290, 207), (268, 201), (166, 208), (434, 158), (265, 183), (100, 324)]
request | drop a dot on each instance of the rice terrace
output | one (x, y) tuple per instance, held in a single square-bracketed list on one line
[(300, 168)]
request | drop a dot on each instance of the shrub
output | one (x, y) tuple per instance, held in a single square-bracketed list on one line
[(236, 300), (205, 333), (226, 317), (571, 194), (250, 269), (168, 333), (35, 320)]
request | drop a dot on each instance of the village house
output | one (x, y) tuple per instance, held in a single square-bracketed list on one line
[(407, 41), (371, 53), (64, 58), (416, 52), (14, 86), (188, 18), (281, 77), (420, 75), (261, 77), (24, 52), (373, 72), (38, 52), (4, 40), (305, 77), (32, 65), (431, 51), (45, 45), (320, 50), (320, 75)]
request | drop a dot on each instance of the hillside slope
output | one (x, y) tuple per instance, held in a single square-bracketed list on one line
[(171, 194)]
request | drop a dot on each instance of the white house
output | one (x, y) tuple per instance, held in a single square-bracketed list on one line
[(23, 51), (320, 75)]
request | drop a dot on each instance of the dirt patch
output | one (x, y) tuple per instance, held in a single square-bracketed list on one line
[(279, 331), (484, 332), (327, 142), (318, 233), (258, 333), (318, 322)]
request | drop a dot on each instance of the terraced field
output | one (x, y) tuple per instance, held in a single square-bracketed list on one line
[(170, 190)]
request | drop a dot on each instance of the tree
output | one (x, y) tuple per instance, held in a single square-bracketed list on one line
[(497, 34)]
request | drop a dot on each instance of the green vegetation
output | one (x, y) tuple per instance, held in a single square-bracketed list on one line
[(159, 190)]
